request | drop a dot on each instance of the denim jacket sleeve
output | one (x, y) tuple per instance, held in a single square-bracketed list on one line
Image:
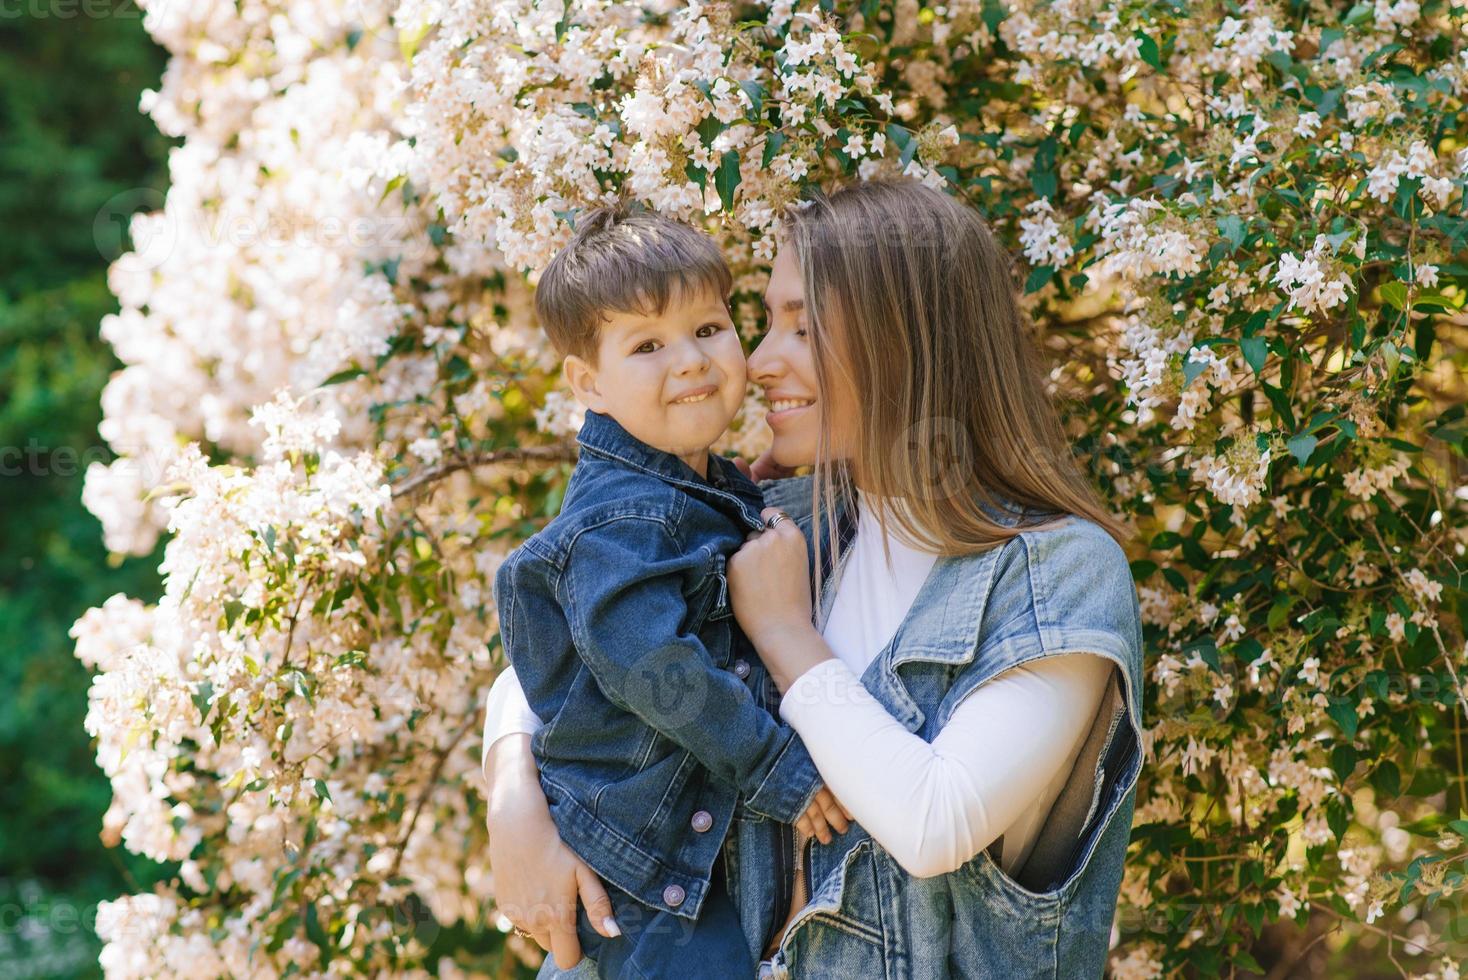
[(624, 602)]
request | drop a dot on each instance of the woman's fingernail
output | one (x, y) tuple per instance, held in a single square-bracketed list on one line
[(610, 925)]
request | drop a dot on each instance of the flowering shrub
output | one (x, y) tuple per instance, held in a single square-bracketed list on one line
[(1241, 230)]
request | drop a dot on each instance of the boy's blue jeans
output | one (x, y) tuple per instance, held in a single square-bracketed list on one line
[(656, 944)]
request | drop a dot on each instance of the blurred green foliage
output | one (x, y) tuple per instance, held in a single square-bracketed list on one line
[(71, 140)]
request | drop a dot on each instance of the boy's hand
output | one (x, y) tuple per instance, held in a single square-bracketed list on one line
[(824, 813), (764, 468)]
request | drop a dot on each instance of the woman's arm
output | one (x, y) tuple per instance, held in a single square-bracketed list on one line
[(933, 806), (537, 878), (506, 712)]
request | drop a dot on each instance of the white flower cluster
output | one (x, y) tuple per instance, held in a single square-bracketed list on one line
[(1366, 482), (1236, 477), (1043, 240), (1141, 238), (1310, 281), (1419, 162)]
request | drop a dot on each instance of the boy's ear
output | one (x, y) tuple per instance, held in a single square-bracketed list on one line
[(581, 376)]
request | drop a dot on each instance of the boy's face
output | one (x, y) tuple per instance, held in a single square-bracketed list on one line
[(673, 381)]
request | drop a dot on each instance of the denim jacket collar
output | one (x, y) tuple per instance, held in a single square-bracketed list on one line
[(946, 614), (601, 435)]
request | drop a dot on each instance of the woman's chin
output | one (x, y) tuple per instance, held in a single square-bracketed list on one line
[(790, 454)]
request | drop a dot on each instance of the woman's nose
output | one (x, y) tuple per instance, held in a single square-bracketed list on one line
[(763, 365)]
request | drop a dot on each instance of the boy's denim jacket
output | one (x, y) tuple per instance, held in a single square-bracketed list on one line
[(617, 619)]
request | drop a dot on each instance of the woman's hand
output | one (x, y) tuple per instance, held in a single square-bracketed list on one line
[(537, 878), (769, 588)]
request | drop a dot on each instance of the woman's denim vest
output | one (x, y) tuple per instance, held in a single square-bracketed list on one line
[(1049, 591)]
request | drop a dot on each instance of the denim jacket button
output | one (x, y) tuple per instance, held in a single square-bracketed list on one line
[(702, 820), (741, 668), (673, 895)]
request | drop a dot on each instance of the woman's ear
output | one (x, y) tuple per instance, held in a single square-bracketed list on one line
[(581, 376)]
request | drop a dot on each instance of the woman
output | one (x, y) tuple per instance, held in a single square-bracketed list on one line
[(971, 688)]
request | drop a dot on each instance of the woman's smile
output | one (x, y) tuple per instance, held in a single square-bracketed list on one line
[(784, 406)]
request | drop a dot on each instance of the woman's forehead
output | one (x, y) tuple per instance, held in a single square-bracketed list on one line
[(785, 291)]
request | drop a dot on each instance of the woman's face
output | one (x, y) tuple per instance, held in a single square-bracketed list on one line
[(783, 365)]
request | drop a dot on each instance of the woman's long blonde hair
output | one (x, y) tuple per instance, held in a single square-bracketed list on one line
[(913, 315)]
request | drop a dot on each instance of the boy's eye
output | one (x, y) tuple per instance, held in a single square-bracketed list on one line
[(711, 328), (646, 347)]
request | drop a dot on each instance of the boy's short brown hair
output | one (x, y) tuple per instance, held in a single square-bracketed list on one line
[(623, 258)]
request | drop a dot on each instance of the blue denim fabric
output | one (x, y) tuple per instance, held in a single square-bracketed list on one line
[(657, 945), (616, 617), (1045, 593)]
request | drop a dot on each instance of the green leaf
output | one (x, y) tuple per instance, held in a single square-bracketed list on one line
[(756, 93), (1039, 277), (1242, 957), (346, 375), (1231, 227), (726, 178), (1191, 370), (773, 142), (201, 698), (1336, 816), (1280, 611), (1343, 710), (1302, 446), (709, 128), (1343, 761), (1042, 171), (1149, 51), (1205, 649), (1255, 350), (1394, 294), (1387, 779)]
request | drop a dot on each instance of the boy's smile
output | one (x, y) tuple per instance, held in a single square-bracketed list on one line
[(675, 381)]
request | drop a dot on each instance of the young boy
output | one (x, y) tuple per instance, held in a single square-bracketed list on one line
[(616, 615)]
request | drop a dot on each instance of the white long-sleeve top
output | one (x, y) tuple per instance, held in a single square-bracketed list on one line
[(994, 769)]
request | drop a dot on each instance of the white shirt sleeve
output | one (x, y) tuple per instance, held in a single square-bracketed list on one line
[(506, 712), (933, 806)]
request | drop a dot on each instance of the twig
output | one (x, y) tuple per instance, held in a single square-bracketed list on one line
[(427, 791), (1390, 936), (562, 452)]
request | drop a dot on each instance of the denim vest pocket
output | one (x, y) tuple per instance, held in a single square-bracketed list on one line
[(848, 901), (983, 870), (1119, 765)]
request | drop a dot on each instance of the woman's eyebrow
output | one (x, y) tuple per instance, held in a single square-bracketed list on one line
[(789, 306)]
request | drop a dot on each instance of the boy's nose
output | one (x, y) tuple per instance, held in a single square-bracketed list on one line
[(692, 360)]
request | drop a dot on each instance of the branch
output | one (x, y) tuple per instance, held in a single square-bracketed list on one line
[(428, 788), (561, 452)]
